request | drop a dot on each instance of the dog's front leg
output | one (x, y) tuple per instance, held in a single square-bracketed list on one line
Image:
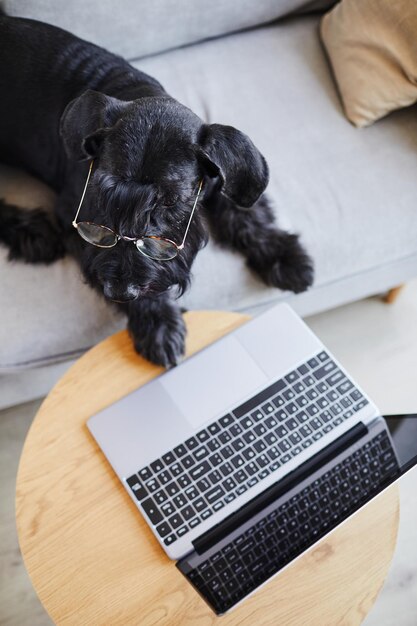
[(274, 254), (157, 329)]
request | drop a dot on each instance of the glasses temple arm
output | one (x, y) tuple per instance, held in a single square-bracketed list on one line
[(192, 213), (74, 221)]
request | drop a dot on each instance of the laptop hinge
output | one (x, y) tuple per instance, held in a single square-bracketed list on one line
[(248, 510)]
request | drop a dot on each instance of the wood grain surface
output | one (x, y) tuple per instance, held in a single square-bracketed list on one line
[(92, 558)]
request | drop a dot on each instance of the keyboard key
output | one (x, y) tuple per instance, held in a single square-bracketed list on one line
[(335, 378), (152, 485), (214, 428), (302, 417), (225, 437), (292, 377), (281, 415), (289, 394), (157, 466), (168, 458), (235, 430), (249, 453), (201, 453), (284, 445), (203, 436), (213, 445), (170, 539), (308, 381), (254, 402), (240, 476), (259, 446), (168, 509), (227, 452), (176, 520), (203, 484), (188, 461), (278, 401), (160, 497), (199, 470), (252, 468), (257, 416), (237, 460), (172, 489), (137, 487), (260, 430), (180, 450), (187, 513), (192, 492), (270, 438), (180, 500), (145, 473), (163, 529), (267, 408), (184, 481), (303, 369), (215, 477), (292, 424), (152, 511), (324, 370), (227, 469), (192, 443), (291, 408), (181, 531), (176, 469), (216, 459), (238, 444), (213, 495), (226, 421), (229, 484), (281, 431), (200, 504), (313, 363)]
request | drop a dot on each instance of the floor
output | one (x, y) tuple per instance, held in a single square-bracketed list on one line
[(377, 343)]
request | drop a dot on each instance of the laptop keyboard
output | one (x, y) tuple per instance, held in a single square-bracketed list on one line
[(265, 548), (206, 472)]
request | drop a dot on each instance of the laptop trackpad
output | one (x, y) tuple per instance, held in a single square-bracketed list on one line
[(222, 376)]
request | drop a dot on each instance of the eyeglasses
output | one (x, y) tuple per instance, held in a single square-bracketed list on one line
[(151, 246)]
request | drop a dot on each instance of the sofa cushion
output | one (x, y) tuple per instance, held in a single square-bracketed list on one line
[(351, 194), (135, 28), (372, 47)]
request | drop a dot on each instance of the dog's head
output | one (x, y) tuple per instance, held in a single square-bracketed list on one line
[(149, 157)]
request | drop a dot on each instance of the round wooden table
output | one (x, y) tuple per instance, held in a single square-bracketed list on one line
[(92, 558)]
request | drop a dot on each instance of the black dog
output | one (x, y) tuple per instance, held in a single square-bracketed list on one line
[(64, 102)]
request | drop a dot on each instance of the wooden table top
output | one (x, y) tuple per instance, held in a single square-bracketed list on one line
[(92, 558)]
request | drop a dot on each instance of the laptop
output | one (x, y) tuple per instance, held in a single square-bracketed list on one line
[(247, 453)]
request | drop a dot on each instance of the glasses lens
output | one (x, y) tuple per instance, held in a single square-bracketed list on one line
[(97, 235), (157, 249)]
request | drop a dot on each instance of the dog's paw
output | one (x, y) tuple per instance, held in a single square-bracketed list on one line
[(284, 263), (161, 339), (35, 239)]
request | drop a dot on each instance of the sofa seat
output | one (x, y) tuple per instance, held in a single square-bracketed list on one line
[(350, 193)]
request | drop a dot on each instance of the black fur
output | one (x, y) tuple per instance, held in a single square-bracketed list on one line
[(65, 102)]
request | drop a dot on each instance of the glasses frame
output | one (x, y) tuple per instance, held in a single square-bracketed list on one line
[(178, 247)]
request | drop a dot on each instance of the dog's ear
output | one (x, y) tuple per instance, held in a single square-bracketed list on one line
[(231, 155), (85, 122)]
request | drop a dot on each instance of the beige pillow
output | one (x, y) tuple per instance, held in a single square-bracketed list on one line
[(372, 46)]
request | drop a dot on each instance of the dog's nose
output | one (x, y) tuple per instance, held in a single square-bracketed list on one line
[(118, 294)]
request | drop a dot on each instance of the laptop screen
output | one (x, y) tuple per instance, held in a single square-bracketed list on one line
[(301, 509), (403, 429)]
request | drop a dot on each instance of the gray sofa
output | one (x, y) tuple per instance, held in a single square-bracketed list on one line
[(350, 193)]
